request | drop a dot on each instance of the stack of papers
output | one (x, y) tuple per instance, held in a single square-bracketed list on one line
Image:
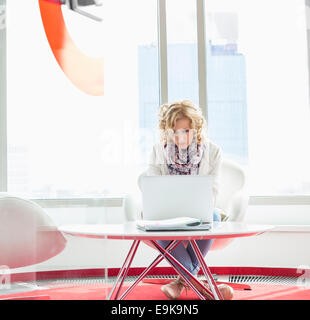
[(182, 223)]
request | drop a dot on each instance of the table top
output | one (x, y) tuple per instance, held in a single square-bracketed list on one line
[(129, 231)]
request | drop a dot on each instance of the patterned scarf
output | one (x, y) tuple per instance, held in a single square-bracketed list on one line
[(184, 161)]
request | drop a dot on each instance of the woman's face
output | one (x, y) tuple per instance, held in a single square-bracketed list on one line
[(183, 133)]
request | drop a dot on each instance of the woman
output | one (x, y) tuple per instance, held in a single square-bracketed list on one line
[(185, 150)]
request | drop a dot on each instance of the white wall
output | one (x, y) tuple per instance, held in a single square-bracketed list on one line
[(287, 249)]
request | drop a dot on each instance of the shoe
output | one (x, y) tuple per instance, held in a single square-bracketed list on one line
[(196, 285), (226, 291), (174, 289), (207, 295)]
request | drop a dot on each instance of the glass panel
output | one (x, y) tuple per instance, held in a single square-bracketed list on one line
[(182, 50), (76, 103), (258, 106)]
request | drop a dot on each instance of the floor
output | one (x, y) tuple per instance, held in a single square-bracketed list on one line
[(245, 288)]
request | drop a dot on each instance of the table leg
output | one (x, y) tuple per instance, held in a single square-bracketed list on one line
[(166, 255), (157, 260), (130, 256), (216, 292)]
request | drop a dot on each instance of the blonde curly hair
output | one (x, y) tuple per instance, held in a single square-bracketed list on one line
[(169, 114)]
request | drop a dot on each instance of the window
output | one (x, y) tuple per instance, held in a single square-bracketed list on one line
[(182, 50), (70, 137), (63, 141), (258, 91)]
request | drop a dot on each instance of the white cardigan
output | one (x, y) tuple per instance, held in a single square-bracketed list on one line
[(210, 163)]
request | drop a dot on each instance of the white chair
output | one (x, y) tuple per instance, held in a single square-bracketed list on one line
[(27, 234), (232, 198)]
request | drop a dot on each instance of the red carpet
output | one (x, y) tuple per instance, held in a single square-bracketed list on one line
[(151, 291)]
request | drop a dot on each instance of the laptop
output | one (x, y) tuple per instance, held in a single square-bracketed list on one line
[(177, 196)]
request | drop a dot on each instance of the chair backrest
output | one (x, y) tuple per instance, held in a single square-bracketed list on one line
[(231, 180), (27, 234)]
